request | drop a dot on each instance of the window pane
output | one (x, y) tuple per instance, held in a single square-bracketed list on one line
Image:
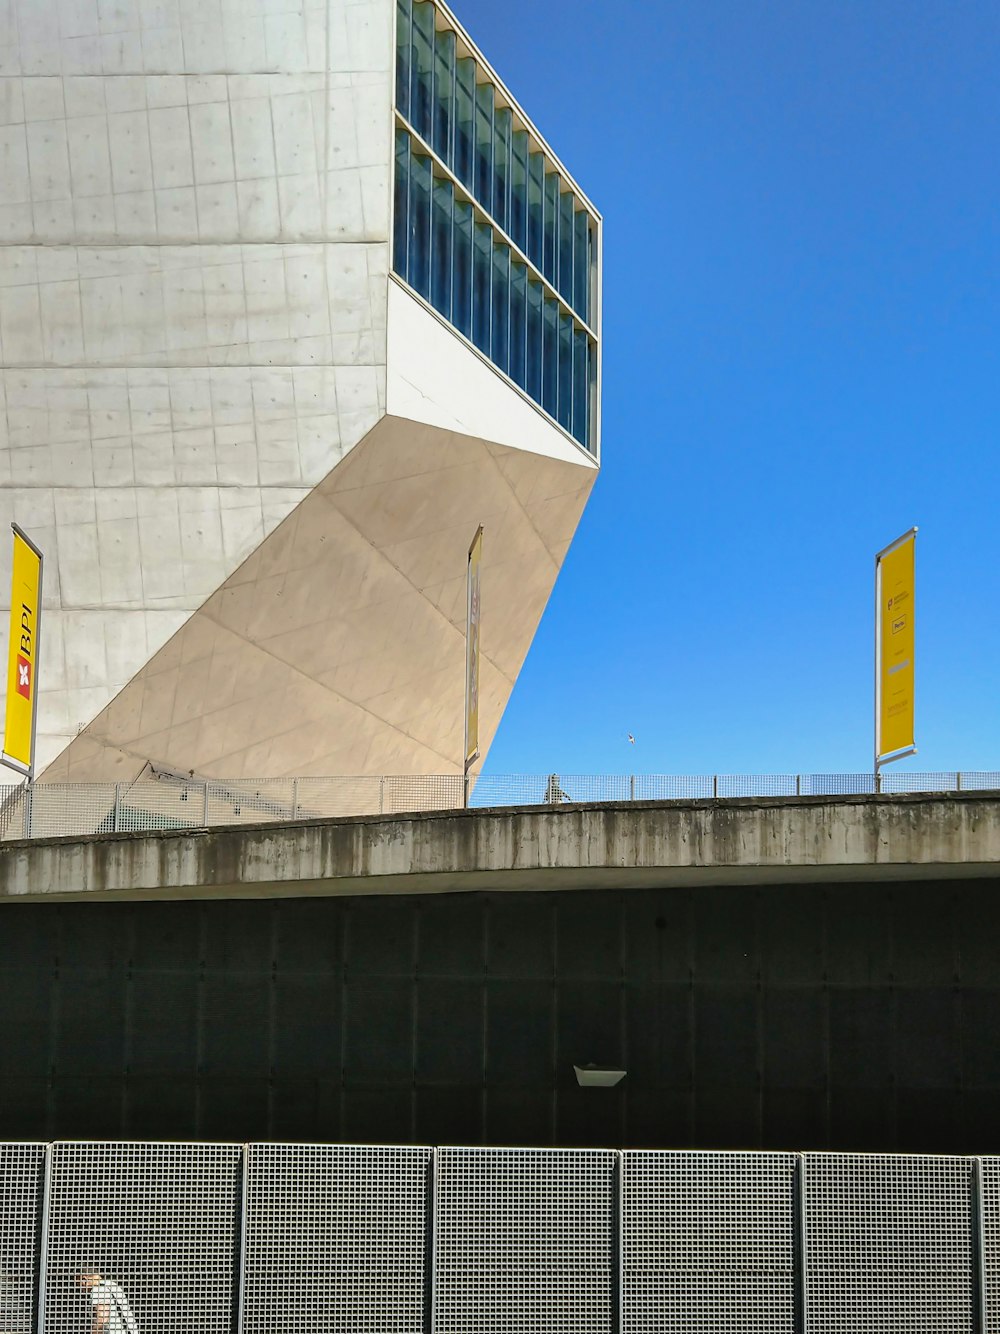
[(465, 129), (518, 320), (533, 355), (401, 222), (482, 284), (551, 226), (419, 257), (444, 200), (500, 345), (403, 39), (581, 388), (581, 266), (444, 94), (518, 222), (565, 413), (565, 283), (421, 72), (484, 144), (461, 287), (536, 189), (550, 357), (501, 164)]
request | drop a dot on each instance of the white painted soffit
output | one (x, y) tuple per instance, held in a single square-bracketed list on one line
[(435, 378)]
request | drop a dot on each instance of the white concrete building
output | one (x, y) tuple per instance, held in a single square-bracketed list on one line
[(292, 298)]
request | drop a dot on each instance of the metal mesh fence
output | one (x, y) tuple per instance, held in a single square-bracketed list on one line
[(523, 1240), (153, 1230), (54, 810), (21, 1171), (888, 1244), (707, 1241), (333, 1238), (336, 1239)]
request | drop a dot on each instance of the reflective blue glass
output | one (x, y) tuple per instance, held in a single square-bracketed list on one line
[(564, 414), (403, 39), (465, 121), (581, 388), (441, 259), (536, 193), (550, 357), (581, 265), (482, 286), (418, 265), (518, 320), (444, 95), (533, 352), (502, 129), (401, 220), (550, 227), (483, 190), (500, 341), (461, 286), (566, 230), (518, 222), (422, 68)]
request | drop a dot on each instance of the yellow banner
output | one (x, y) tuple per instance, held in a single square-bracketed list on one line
[(472, 651), (895, 579), (22, 654)]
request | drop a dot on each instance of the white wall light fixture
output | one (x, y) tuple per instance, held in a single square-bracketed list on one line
[(598, 1076)]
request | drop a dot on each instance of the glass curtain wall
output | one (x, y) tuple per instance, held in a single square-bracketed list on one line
[(468, 184)]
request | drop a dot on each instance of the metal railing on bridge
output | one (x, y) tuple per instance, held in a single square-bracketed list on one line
[(54, 810)]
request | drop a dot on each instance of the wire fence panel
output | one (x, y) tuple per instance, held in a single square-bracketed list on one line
[(336, 1239), (707, 1242), (22, 1169), (151, 1227), (523, 1241), (59, 810), (888, 1244)]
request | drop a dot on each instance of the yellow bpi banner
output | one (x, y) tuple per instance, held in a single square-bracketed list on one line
[(22, 655), (472, 650), (894, 645)]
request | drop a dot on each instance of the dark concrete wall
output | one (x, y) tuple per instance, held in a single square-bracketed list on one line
[(814, 1016)]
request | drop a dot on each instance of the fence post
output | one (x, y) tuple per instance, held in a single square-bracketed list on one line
[(631, 787), (43, 1238), (798, 785), (381, 795), (958, 781), (116, 818), (978, 1250), (241, 1259), (617, 1245), (715, 785), (800, 1294), (27, 811), (295, 798), (204, 819)]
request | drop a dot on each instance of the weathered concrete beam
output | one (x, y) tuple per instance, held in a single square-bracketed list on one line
[(745, 841)]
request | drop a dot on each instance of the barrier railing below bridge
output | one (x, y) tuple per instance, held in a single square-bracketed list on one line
[(187, 1238), (54, 810)]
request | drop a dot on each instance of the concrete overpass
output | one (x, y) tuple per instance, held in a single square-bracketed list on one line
[(633, 845)]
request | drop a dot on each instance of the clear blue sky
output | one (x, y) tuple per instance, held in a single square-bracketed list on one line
[(802, 359)]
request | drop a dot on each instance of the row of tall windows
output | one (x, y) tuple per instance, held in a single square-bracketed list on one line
[(456, 111), (453, 256)]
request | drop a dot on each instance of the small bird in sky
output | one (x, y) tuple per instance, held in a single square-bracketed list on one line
[(631, 739)]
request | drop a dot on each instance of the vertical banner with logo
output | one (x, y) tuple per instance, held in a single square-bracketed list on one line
[(894, 644), (472, 626), (22, 656)]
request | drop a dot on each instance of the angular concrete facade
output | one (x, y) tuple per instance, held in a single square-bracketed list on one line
[(253, 457)]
